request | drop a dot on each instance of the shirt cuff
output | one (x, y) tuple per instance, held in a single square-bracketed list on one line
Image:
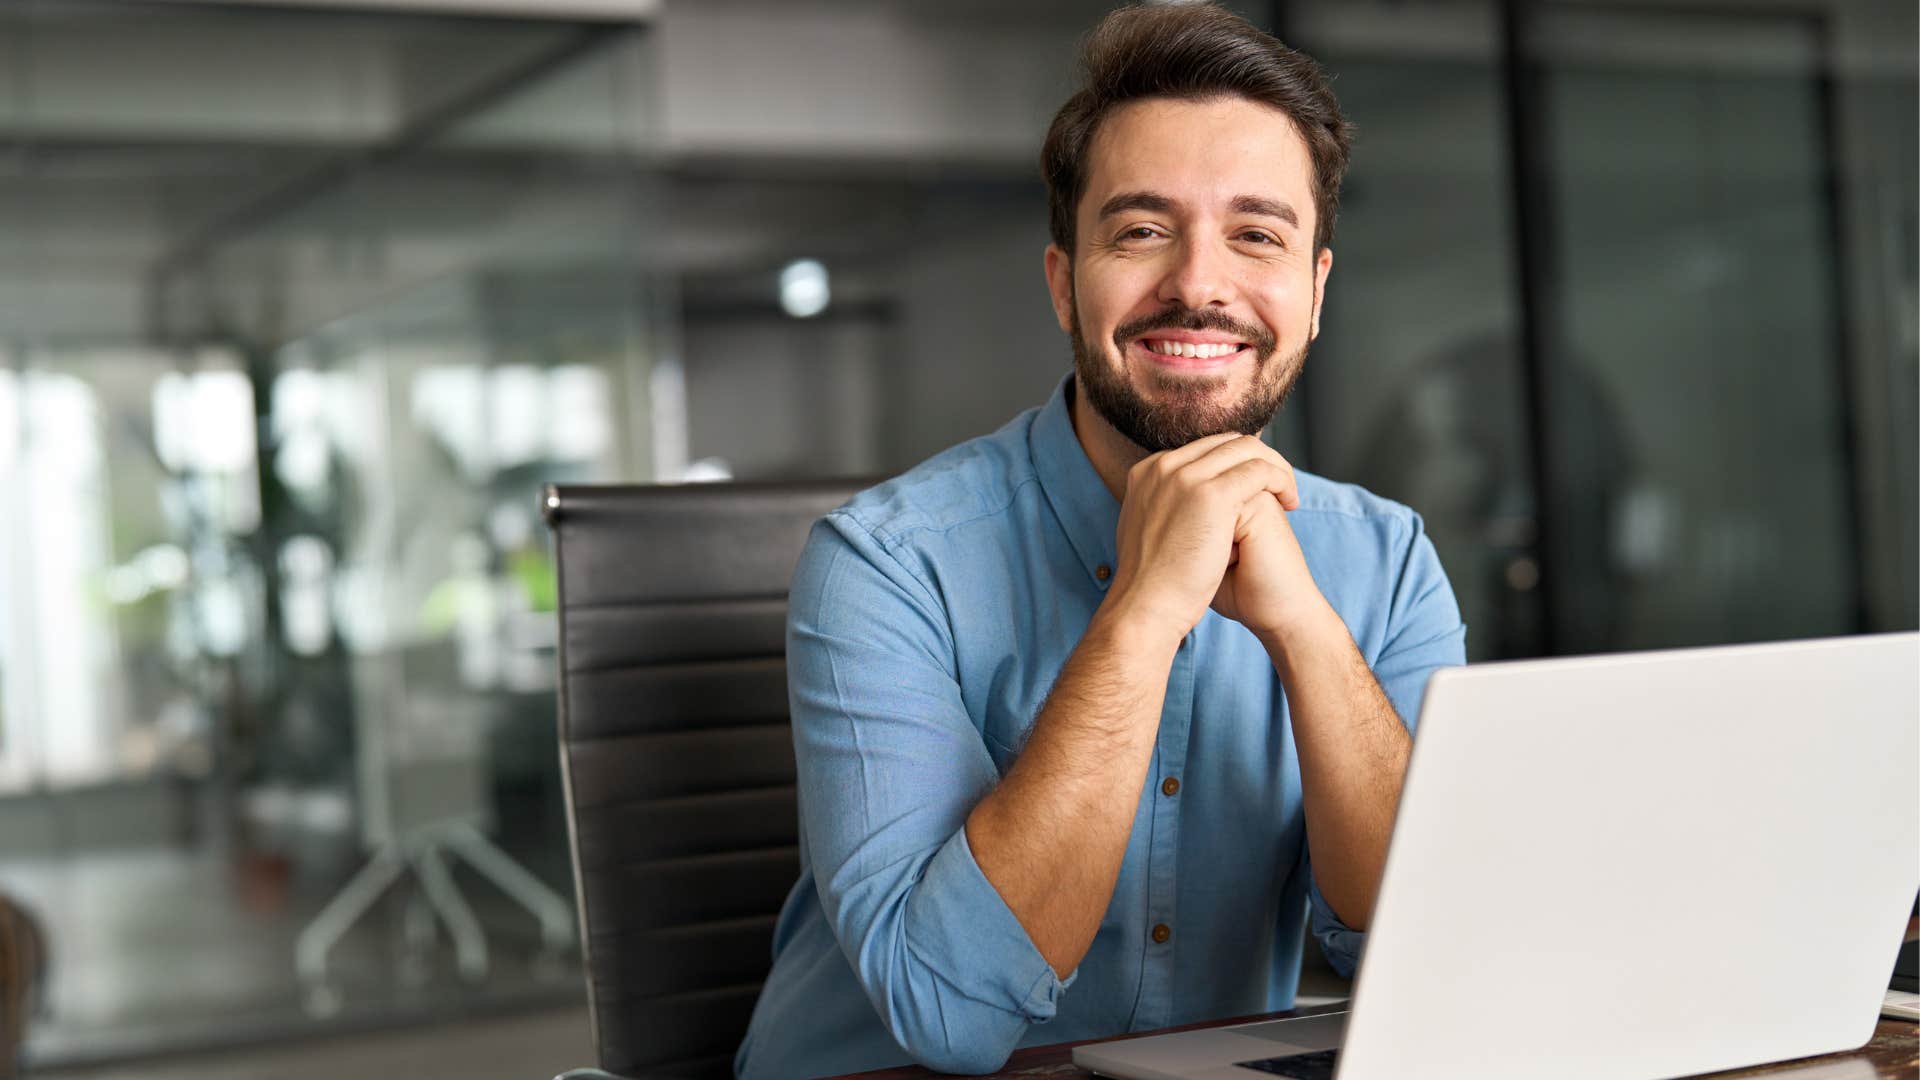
[(964, 922), (1342, 944)]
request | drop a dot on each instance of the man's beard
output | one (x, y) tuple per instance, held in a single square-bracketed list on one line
[(1185, 410)]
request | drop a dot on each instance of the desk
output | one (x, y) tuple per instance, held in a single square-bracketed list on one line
[(1894, 1054)]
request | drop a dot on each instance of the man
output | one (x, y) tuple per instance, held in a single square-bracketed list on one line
[(1073, 702)]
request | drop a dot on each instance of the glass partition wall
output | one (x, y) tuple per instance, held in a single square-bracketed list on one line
[(297, 311), (1623, 306), (1693, 341)]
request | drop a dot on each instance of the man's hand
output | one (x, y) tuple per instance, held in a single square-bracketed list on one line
[(1185, 510), (1267, 586)]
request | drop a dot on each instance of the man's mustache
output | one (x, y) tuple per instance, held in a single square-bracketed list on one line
[(1196, 319)]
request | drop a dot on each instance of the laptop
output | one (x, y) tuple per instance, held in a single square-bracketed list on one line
[(1639, 865)]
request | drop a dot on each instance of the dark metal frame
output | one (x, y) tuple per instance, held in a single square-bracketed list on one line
[(1536, 287), (1840, 286)]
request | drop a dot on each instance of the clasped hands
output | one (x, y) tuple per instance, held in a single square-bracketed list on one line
[(1205, 524)]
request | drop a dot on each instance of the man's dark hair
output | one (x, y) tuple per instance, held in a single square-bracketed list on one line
[(1191, 52)]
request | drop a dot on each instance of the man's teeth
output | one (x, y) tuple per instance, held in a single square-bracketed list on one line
[(1189, 349)]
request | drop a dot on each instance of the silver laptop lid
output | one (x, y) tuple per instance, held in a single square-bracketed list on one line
[(1646, 865)]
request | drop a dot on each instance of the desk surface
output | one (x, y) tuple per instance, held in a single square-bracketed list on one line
[(1894, 1054)]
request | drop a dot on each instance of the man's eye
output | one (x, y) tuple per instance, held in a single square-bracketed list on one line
[(1258, 237), (1139, 232)]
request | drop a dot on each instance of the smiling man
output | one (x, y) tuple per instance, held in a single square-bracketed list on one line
[(1093, 712)]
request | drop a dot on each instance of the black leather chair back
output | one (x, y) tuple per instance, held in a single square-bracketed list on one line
[(676, 754)]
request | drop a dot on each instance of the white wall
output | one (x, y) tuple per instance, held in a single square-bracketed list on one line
[(878, 79)]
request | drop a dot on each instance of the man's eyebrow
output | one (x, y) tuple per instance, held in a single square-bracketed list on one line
[(1134, 200), (1242, 204), (1265, 207)]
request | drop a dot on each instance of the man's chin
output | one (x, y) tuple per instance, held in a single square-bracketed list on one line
[(1173, 390), (1179, 427), (1192, 402), (1156, 425)]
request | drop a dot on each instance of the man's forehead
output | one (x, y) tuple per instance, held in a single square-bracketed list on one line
[(1211, 150)]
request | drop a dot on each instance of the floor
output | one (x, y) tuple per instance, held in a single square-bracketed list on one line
[(168, 952), (530, 1046)]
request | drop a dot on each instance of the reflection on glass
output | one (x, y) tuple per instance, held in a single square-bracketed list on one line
[(297, 311), (1718, 467), (1699, 343)]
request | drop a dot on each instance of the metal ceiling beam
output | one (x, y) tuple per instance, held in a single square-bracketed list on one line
[(556, 10)]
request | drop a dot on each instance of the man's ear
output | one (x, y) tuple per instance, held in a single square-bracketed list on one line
[(1060, 285), (1322, 266)]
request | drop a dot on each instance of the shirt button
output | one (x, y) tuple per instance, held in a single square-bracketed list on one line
[(1171, 787), (1161, 933), (1103, 571)]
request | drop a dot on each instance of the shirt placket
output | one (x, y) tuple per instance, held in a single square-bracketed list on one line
[(1162, 932)]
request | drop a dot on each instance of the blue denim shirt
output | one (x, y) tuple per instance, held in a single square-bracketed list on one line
[(929, 617)]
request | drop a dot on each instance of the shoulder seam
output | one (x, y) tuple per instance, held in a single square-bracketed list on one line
[(926, 587), (892, 539)]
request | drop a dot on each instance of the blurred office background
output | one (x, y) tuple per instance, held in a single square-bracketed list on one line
[(300, 304)]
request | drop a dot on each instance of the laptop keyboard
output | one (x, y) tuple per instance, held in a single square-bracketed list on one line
[(1314, 1066)]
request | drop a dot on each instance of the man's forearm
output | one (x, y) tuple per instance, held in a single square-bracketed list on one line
[(1353, 759), (1051, 837)]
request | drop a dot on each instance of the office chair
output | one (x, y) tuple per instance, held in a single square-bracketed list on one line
[(676, 755)]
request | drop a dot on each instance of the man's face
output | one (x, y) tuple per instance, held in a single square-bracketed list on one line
[(1193, 290)]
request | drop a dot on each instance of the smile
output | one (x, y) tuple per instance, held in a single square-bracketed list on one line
[(1190, 355), (1190, 349)]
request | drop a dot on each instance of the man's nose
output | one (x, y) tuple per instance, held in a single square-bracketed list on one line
[(1199, 276)]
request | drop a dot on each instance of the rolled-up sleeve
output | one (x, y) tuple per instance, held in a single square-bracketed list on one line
[(890, 764), (1424, 634)]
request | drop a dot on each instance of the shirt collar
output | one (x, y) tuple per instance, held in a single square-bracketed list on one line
[(1087, 511)]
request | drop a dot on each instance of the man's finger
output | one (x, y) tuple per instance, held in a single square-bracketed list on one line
[(1228, 455), (1226, 458), (1181, 456), (1254, 511), (1255, 476)]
